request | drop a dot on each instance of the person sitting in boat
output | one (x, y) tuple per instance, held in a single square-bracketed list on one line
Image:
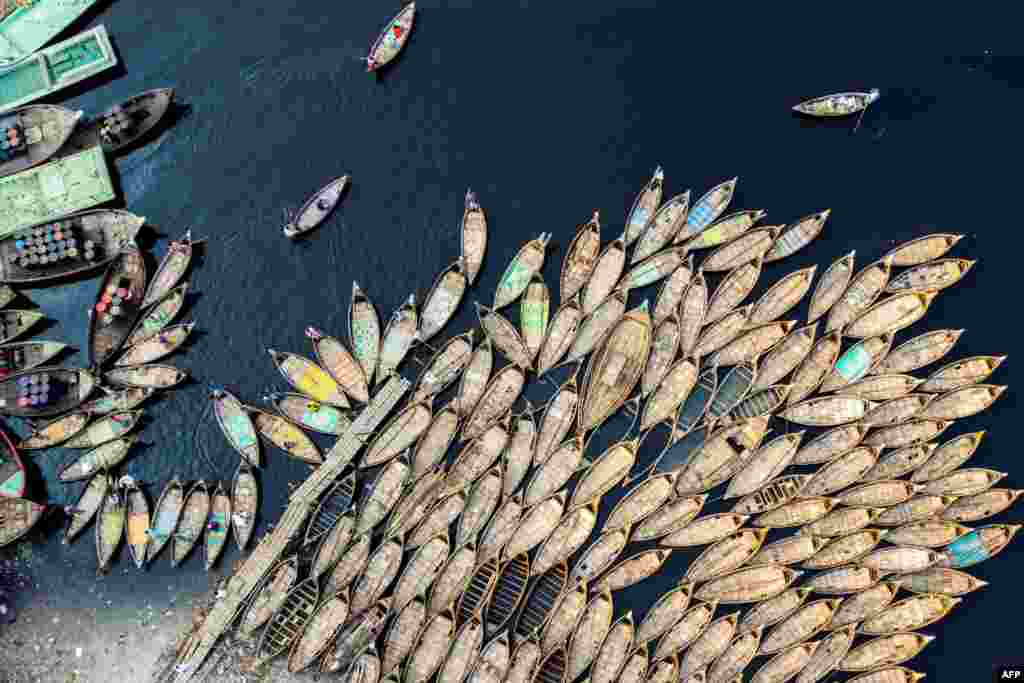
[(323, 205), (214, 525)]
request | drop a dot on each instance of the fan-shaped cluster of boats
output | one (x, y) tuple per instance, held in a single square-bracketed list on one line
[(463, 568)]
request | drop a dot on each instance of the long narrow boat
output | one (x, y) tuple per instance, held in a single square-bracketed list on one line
[(541, 601), (56, 67), (473, 236), (285, 435), (108, 428), (33, 134), (392, 39), (236, 423), (442, 301), (398, 338), (839, 104), (159, 315), (797, 235), (269, 594), (122, 125), (118, 305), (84, 509), (333, 505), (115, 401), (245, 503), (607, 272), (644, 207), (310, 414), (12, 470), (445, 366), (109, 528), (166, 516), (151, 376), (316, 209), (321, 628), (308, 378), (923, 249), (526, 263), (171, 270), (662, 227), (102, 457), (17, 517), (194, 514), (831, 286), (580, 258), (22, 356), (137, 528), (217, 525), (508, 592), (364, 331), (289, 620)]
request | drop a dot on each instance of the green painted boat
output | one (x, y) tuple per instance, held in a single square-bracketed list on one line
[(50, 191), (33, 23), (58, 66)]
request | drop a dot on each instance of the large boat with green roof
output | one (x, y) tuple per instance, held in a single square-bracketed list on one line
[(27, 25), (56, 67), (47, 192)]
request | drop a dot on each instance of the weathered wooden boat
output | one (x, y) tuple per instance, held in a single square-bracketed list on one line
[(772, 495), (864, 605), (137, 534), (398, 434), (22, 356), (708, 208), (789, 550), (269, 595), (350, 566), (33, 134), (217, 526), (561, 333), (597, 326), (964, 482), (340, 364), (706, 647), (245, 503), (962, 402), (695, 407), (732, 290), (432, 446), (827, 411), (644, 207), (118, 305), (417, 577), (558, 419), (588, 633), (891, 315), (670, 394), (102, 457), (398, 338), (600, 555), (764, 465), (166, 516), (473, 233), (505, 337), (641, 501), (752, 343), (477, 457), (441, 516), (929, 533), (922, 249), (692, 313), (783, 296), (484, 498), (982, 505), (497, 399), (934, 275), (122, 125), (797, 235), (364, 331), (726, 555), (796, 513), (442, 301), (859, 295), (352, 647), (289, 620), (884, 493), (332, 506), (893, 674), (556, 471), (445, 366), (815, 366), (534, 314), (839, 104), (332, 547), (321, 628), (979, 545), (383, 494), (634, 569), (914, 510), (885, 651), (17, 517), (611, 657), (831, 650), (670, 295), (316, 209), (722, 331), (527, 263), (525, 660), (672, 516), (401, 635), (285, 435), (752, 584), (566, 614), (941, 581), (87, 240), (726, 229), (771, 611), (580, 258), (842, 471), (507, 593), (857, 362), (751, 246), (948, 457), (845, 580), (906, 434), (882, 387), (705, 530), (831, 287), (828, 445), (787, 664), (194, 514), (310, 414), (691, 624), (378, 575), (897, 411), (731, 391), (110, 522), (663, 226), (961, 373), (463, 653), (664, 613), (415, 502), (918, 352), (236, 421), (760, 403), (730, 665), (541, 601), (391, 41), (475, 593), (108, 428), (610, 265), (84, 509), (536, 525), (900, 559), (151, 376), (14, 323), (664, 345), (847, 549), (605, 472)]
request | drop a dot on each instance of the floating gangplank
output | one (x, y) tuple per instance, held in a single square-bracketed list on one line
[(289, 527)]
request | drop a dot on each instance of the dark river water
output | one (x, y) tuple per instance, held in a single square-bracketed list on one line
[(547, 112)]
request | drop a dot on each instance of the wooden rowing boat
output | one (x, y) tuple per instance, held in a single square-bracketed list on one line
[(106, 429), (846, 549), (56, 431), (151, 376), (857, 362), (722, 331), (556, 471), (534, 314), (507, 593), (673, 515), (891, 315), (354, 646), (900, 559), (726, 555), (783, 296), (730, 665), (416, 500), (519, 452), (589, 633), (217, 526), (692, 313), (494, 661), (706, 647), (334, 503), (641, 501), (733, 388), (525, 661), (474, 378), (91, 240), (561, 331), (664, 403), (705, 530), (691, 624), (288, 621), (321, 628), (392, 39), (882, 387), (707, 209), (398, 338), (332, 355), (918, 352), (565, 617), (432, 446), (806, 622), (496, 401), (473, 236), (934, 275), (269, 595), (752, 343), (749, 247), (463, 652), (540, 601), (478, 456), (964, 482), (884, 493), (644, 207), (33, 134), (118, 305), (611, 657), (44, 391), (721, 451), (859, 295), (664, 613), (662, 227), (417, 577), (918, 508), (772, 495), (245, 503), (797, 235), (526, 263), (237, 425), (442, 301), (110, 522), (309, 378), (664, 346), (137, 533), (607, 271), (979, 545), (398, 434), (900, 461), (445, 366), (597, 326), (656, 267), (838, 104), (600, 555), (732, 290), (505, 337), (569, 536), (194, 514), (906, 434), (948, 457), (796, 513), (863, 605), (940, 581), (827, 411), (170, 271), (886, 651), (382, 495), (316, 209), (789, 550), (670, 295), (380, 571), (122, 125), (962, 402), (536, 526), (102, 457), (350, 565), (476, 596), (981, 505), (764, 465), (961, 373), (787, 664), (285, 435), (559, 416), (484, 498), (725, 230), (438, 518), (84, 509), (829, 444), (401, 635), (22, 356), (580, 258), (831, 287), (929, 533), (605, 472), (922, 249), (166, 516), (364, 332), (842, 471), (309, 414)]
